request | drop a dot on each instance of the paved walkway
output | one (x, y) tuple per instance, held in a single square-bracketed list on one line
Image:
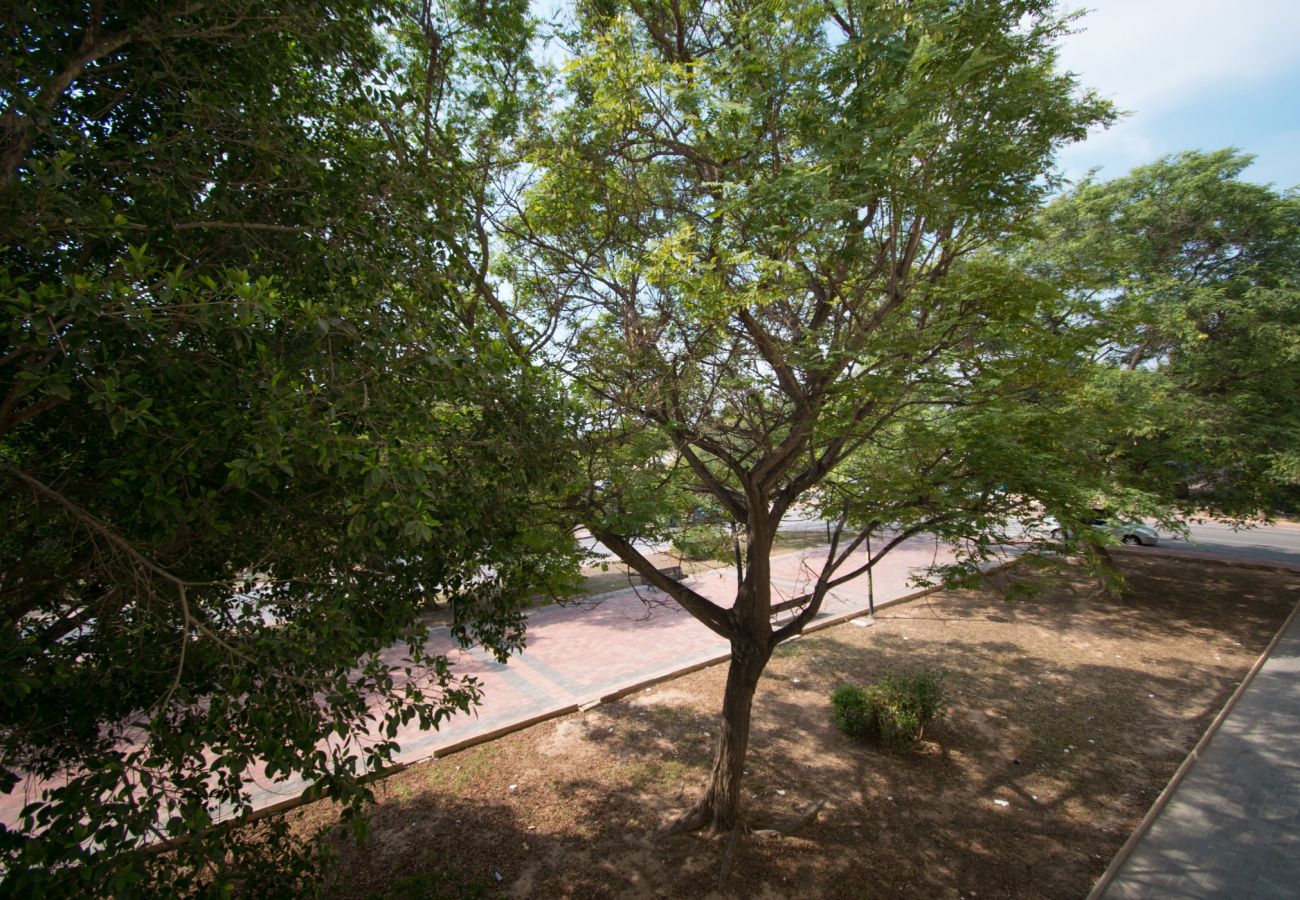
[(1231, 826), (586, 651), (582, 652)]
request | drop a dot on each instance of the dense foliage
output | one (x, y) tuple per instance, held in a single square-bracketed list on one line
[(756, 232), (251, 419), (1191, 276)]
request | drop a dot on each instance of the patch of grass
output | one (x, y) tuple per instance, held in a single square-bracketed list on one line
[(798, 540), (789, 650), (613, 576), (671, 716), (444, 882), (659, 773), (464, 768)]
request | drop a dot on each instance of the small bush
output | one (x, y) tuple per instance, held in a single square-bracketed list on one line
[(893, 711), (703, 542), (852, 712)]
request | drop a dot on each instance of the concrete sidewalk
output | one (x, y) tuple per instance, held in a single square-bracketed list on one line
[(1229, 824)]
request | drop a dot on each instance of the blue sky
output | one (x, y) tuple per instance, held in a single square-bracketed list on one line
[(1195, 75)]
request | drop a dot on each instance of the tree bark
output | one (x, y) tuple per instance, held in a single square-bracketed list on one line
[(719, 808)]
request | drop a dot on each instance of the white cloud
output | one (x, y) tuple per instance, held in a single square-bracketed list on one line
[(1150, 55), (1116, 150), (1183, 69)]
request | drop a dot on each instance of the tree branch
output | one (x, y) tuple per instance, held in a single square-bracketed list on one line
[(713, 616), (21, 130)]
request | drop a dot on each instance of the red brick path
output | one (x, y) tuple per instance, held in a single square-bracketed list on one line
[(578, 653), (581, 652)]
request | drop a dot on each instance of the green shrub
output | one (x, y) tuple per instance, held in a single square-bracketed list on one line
[(703, 542), (851, 711), (893, 711)]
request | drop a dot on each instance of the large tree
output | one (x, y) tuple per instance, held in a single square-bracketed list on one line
[(754, 233), (1191, 275), (251, 419)]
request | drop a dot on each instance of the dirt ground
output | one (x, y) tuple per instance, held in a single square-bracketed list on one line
[(1069, 712)]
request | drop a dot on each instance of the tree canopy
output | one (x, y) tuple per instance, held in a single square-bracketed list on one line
[(314, 312), (252, 420), (756, 232), (1192, 277)]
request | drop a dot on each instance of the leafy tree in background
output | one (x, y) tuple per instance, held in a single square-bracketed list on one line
[(1192, 277), (251, 417), (755, 234)]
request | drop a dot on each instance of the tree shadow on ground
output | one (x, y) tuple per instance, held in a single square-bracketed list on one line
[(1070, 708)]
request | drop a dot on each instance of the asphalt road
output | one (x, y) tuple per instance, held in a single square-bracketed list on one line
[(1280, 543)]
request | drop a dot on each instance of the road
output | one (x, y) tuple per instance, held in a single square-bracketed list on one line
[(1278, 543)]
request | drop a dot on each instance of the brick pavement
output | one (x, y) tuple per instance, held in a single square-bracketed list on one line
[(579, 653), (582, 652), (1231, 825)]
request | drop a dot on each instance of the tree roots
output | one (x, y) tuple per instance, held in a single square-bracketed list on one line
[(699, 816)]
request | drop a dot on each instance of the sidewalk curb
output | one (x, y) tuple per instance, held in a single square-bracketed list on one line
[(1162, 800), (500, 731)]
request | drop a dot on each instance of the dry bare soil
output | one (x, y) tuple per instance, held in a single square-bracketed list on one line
[(1070, 707)]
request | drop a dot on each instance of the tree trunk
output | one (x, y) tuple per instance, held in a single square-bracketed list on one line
[(1112, 580), (719, 808)]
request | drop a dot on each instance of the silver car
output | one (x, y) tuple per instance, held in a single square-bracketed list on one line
[(1127, 532)]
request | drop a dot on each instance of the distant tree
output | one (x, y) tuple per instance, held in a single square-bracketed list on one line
[(755, 233), (1192, 277), (252, 419)]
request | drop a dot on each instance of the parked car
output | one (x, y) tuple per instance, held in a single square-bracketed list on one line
[(1127, 532)]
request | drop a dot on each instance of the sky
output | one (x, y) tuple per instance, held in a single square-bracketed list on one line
[(1194, 75)]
